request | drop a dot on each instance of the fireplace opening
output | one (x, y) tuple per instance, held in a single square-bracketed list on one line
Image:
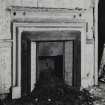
[(51, 66), (50, 59), (47, 60)]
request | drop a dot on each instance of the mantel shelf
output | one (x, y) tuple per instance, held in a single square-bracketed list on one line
[(43, 9)]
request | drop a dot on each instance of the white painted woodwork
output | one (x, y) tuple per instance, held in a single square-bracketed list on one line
[(33, 65), (37, 27), (16, 92), (68, 51), (96, 43), (88, 74), (79, 16)]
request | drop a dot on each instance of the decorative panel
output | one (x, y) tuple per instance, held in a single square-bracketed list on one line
[(5, 67)]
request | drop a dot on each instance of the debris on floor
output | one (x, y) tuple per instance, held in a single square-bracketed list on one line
[(69, 96), (54, 91), (98, 92)]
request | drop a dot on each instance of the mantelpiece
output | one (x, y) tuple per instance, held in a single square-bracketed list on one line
[(42, 20), (33, 20)]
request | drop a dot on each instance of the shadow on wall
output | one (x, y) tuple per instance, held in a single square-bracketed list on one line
[(101, 28)]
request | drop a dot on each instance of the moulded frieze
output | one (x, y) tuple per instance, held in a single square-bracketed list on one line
[(28, 13)]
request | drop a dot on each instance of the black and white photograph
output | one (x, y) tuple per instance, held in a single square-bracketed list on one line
[(52, 52)]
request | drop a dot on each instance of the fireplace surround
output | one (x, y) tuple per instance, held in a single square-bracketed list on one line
[(58, 34), (52, 51)]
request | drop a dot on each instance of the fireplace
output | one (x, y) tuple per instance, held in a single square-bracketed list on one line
[(48, 45), (46, 54)]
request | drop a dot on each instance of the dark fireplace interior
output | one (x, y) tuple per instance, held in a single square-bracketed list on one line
[(50, 59), (55, 59), (52, 64)]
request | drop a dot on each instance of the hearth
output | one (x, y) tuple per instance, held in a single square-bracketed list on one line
[(50, 55)]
